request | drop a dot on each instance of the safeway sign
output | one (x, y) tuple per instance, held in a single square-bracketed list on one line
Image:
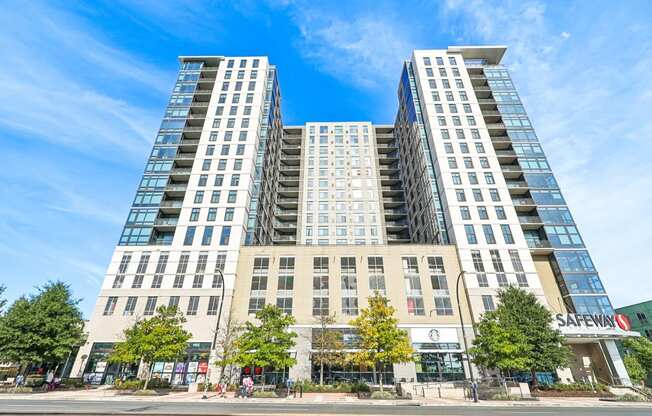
[(596, 325)]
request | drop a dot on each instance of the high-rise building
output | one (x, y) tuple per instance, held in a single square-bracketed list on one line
[(315, 218)]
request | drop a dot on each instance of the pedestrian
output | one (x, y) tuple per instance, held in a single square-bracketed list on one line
[(243, 388), (20, 379), (49, 380), (289, 383), (249, 386)]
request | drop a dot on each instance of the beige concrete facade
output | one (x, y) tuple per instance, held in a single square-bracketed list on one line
[(417, 322)]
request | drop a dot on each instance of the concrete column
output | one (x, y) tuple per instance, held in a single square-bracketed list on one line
[(302, 369), (617, 362), (407, 371)]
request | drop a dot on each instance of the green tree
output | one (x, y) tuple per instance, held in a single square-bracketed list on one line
[(499, 347), (640, 348), (160, 338), (635, 370), (226, 345), (266, 343), (327, 344), (382, 343), (519, 319), (43, 328)]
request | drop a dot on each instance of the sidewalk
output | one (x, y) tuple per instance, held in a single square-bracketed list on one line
[(104, 394)]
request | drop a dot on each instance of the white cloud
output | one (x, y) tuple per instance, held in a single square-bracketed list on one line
[(587, 100), (53, 73), (366, 49)]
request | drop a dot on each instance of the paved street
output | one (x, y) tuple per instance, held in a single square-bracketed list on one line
[(115, 407)]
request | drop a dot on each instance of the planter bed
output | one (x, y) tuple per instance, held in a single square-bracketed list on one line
[(570, 393)]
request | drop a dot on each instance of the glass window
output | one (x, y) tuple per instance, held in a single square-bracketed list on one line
[(190, 235)]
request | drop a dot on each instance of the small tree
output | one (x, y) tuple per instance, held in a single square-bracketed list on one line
[(381, 341), (327, 344), (640, 351), (266, 343), (499, 347), (43, 328), (523, 322), (226, 344), (160, 338)]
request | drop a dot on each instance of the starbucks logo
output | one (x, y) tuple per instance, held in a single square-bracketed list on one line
[(433, 335)]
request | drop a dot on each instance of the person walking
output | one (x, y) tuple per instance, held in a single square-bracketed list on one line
[(49, 380)]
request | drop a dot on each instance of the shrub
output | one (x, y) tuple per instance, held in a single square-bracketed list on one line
[(202, 386), (383, 395), (128, 384), (503, 396), (309, 387), (34, 381), (73, 382), (158, 383), (360, 387), (264, 395), (575, 387), (628, 397)]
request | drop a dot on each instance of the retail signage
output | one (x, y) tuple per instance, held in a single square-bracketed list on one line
[(426, 335), (594, 324), (202, 367)]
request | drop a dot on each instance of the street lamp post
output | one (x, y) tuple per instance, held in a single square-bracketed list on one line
[(474, 392), (217, 327)]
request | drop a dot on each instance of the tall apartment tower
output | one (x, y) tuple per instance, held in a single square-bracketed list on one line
[(235, 211), (482, 182), (207, 190)]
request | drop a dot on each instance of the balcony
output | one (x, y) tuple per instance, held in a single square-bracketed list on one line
[(285, 213), (188, 145), (289, 191), (291, 149), (180, 173), (511, 171), (386, 147), (177, 190), (393, 202), (486, 103), (530, 222), (540, 246), (287, 202), (285, 226), (394, 213), (391, 190), (292, 160), (284, 239), (397, 239), (389, 180), (171, 206), (166, 224), (290, 170), (394, 226), (517, 187), (482, 92)]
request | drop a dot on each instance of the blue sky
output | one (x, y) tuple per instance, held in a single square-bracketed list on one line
[(84, 85)]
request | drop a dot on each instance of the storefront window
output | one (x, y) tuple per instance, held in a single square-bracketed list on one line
[(192, 369), (439, 366)]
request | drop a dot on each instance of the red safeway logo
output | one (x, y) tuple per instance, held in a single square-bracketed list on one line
[(623, 322)]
